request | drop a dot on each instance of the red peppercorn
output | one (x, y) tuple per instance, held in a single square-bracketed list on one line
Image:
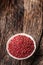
[(21, 46)]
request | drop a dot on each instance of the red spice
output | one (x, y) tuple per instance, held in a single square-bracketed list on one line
[(21, 46)]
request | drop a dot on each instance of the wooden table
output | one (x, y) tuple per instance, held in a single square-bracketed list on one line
[(17, 17)]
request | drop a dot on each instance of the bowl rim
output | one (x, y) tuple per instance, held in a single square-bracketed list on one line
[(24, 35)]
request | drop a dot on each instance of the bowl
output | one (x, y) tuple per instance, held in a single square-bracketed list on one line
[(26, 36)]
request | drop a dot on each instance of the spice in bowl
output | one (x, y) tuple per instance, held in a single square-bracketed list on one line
[(21, 46)]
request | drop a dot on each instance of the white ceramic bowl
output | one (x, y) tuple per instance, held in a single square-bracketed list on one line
[(24, 35)]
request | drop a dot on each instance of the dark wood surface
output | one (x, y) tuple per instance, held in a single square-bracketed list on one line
[(16, 18)]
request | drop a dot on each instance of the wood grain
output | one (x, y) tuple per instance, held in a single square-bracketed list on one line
[(15, 18)]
